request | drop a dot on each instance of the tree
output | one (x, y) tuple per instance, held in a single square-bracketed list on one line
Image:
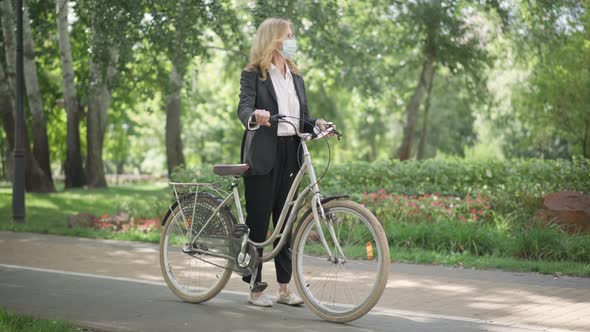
[(39, 118), (550, 107), (7, 117), (182, 31), (74, 171), (444, 36), (554, 102), (37, 179), (113, 30)]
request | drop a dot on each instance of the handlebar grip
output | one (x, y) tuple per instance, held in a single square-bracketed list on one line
[(274, 119)]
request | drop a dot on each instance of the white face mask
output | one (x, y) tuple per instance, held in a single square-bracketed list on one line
[(289, 48)]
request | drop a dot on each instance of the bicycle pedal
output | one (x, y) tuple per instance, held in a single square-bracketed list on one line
[(239, 230), (259, 287)]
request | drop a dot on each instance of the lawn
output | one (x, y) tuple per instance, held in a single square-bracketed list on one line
[(11, 322), (48, 213)]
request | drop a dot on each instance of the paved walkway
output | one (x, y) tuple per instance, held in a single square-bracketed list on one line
[(508, 299)]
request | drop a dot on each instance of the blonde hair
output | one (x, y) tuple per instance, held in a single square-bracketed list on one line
[(271, 31)]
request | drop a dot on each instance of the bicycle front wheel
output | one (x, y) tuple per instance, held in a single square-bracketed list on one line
[(195, 277), (343, 277)]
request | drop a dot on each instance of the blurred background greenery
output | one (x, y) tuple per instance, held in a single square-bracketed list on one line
[(403, 79)]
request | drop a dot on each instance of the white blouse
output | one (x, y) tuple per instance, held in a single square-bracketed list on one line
[(287, 101), (286, 98)]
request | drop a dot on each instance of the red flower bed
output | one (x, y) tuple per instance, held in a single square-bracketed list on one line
[(429, 207)]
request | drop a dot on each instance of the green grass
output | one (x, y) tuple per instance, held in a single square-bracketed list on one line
[(10, 322), (491, 262), (48, 213)]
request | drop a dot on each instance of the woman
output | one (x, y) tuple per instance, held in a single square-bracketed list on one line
[(271, 85)]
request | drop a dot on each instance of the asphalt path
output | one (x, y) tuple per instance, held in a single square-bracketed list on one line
[(122, 304)]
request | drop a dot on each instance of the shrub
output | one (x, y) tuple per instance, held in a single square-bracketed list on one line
[(454, 177), (541, 242), (459, 177), (450, 237)]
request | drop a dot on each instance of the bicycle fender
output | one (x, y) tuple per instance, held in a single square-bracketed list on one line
[(323, 201)]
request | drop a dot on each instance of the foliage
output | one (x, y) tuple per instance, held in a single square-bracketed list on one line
[(434, 208), (535, 243), (477, 208), (459, 177), (546, 116), (23, 323), (554, 102)]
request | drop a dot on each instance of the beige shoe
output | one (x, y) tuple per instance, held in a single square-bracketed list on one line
[(261, 301), (290, 299)]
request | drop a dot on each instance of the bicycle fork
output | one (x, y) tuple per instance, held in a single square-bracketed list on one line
[(315, 203)]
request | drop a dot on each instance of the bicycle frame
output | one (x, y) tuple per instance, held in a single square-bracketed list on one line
[(316, 206)]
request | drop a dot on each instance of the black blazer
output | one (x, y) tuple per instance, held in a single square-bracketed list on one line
[(259, 146)]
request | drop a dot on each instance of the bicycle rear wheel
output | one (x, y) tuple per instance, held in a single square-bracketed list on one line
[(195, 277), (345, 286)]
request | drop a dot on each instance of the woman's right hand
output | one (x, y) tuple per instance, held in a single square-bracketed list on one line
[(262, 117)]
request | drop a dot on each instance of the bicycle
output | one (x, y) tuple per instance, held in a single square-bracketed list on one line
[(340, 253)]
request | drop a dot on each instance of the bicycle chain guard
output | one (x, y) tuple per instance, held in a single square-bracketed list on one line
[(250, 258)]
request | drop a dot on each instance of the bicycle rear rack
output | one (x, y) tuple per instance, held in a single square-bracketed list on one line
[(186, 196)]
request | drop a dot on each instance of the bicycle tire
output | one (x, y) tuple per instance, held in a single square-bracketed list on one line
[(304, 280), (221, 224)]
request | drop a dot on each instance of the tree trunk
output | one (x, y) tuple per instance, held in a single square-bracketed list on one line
[(405, 150), (585, 151), (424, 133), (74, 171), (3, 151), (98, 106), (39, 119), (6, 114), (35, 178), (8, 29), (174, 155)]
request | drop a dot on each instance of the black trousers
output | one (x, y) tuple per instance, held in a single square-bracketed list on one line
[(266, 195)]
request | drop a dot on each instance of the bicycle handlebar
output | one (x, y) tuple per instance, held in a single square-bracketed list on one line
[(276, 118)]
